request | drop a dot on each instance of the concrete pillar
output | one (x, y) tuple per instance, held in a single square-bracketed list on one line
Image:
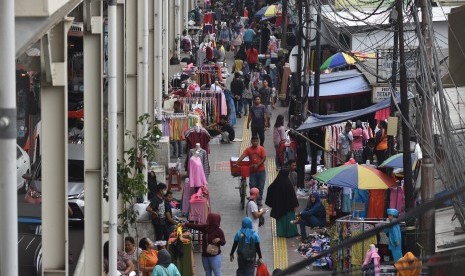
[(130, 99), (172, 28), (8, 131), (166, 54), (120, 91), (54, 107), (152, 67), (93, 260), (158, 55)]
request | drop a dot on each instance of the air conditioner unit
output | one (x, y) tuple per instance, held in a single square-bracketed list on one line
[(37, 8)]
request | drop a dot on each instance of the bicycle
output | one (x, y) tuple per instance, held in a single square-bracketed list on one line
[(242, 170)]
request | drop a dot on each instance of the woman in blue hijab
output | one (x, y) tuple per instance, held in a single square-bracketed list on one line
[(247, 243), (395, 238)]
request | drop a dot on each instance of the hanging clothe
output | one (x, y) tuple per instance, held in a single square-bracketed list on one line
[(202, 154), (397, 199), (376, 204), (196, 173)]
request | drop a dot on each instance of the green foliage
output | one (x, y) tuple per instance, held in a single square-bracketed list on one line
[(131, 181)]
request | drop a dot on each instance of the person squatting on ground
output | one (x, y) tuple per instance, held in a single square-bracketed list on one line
[(247, 243), (124, 264), (314, 215), (132, 250), (257, 157), (156, 209), (211, 234), (282, 200), (258, 119)]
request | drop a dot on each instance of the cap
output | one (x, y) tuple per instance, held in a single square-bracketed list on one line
[(254, 193), (393, 212)]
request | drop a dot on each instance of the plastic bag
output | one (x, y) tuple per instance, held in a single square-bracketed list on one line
[(262, 270)]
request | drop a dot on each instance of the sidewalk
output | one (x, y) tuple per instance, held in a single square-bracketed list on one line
[(224, 197)]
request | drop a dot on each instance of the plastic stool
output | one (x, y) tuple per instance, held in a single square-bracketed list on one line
[(174, 172)]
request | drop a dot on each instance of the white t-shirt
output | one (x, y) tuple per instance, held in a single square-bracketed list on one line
[(252, 207)]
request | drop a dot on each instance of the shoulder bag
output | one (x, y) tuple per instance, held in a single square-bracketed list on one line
[(212, 249)]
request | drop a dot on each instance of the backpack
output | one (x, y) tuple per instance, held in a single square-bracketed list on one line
[(246, 252)]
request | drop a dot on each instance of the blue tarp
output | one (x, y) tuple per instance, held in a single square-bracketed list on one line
[(316, 120), (341, 83)]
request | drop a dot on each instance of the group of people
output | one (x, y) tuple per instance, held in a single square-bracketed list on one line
[(146, 259)]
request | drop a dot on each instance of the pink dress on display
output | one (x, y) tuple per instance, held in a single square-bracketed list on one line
[(196, 173)]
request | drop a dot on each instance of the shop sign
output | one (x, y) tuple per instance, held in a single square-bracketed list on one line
[(385, 61), (383, 92)]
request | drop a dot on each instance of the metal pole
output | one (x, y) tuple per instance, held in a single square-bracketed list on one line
[(8, 194), (299, 55), (284, 33), (316, 87), (427, 173), (408, 186), (112, 138), (393, 82)]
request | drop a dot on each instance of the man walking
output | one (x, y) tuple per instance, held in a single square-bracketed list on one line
[(257, 157), (266, 99), (237, 87), (259, 120)]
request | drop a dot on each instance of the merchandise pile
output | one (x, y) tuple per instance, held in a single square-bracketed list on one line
[(313, 246)]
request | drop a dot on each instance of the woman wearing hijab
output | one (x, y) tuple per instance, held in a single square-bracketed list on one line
[(281, 198), (211, 234), (164, 266), (394, 234), (246, 267), (313, 215)]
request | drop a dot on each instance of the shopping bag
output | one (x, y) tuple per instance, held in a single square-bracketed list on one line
[(262, 270)]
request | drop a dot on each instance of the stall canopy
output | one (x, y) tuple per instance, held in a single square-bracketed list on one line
[(341, 83), (316, 120)]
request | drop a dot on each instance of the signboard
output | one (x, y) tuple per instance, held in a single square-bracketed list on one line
[(385, 60), (383, 92)]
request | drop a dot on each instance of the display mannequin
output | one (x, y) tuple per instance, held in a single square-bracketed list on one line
[(371, 265)]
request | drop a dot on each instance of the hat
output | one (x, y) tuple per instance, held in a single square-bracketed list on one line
[(393, 212), (253, 193)]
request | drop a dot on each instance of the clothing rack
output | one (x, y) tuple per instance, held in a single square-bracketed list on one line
[(175, 125)]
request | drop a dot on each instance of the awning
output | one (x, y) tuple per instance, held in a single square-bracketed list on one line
[(341, 83), (317, 120)]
